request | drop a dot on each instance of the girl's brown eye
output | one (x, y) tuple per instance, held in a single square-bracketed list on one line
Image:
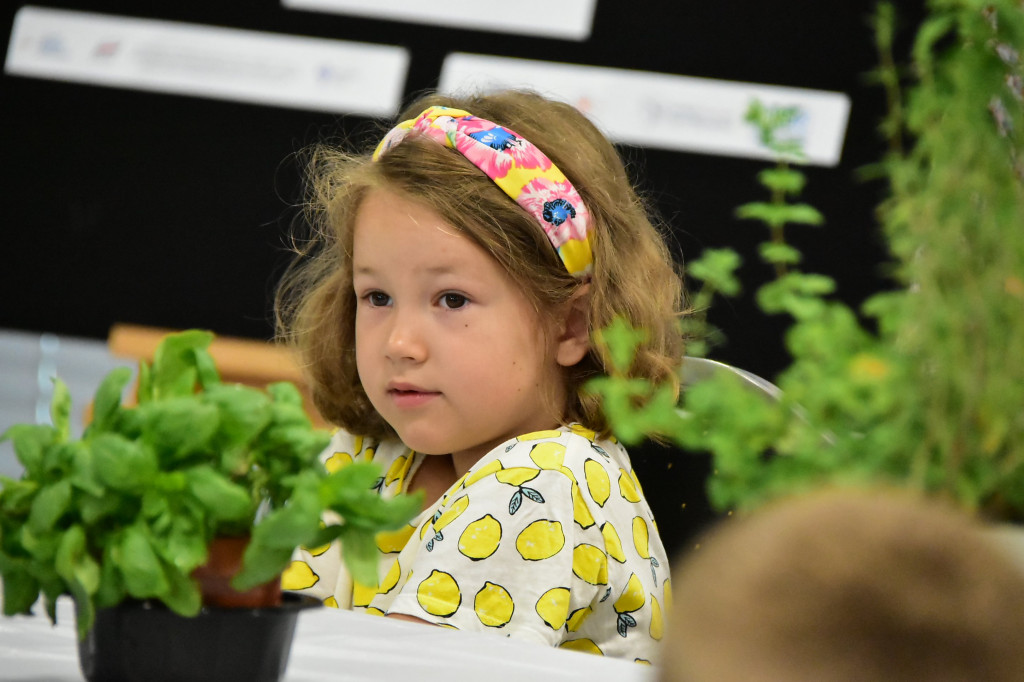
[(453, 300), (378, 298)]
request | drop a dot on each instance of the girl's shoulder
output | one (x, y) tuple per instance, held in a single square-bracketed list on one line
[(571, 449)]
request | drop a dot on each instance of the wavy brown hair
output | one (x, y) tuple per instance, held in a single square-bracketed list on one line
[(633, 274)]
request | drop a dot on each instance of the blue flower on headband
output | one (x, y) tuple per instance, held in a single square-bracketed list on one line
[(497, 138), (558, 211)]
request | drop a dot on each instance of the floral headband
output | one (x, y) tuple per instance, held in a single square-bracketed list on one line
[(521, 170)]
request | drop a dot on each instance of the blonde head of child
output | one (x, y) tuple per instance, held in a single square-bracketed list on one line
[(432, 305)]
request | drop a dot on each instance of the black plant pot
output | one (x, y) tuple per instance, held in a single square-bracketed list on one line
[(146, 642)]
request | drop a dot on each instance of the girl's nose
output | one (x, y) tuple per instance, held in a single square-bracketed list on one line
[(405, 340)]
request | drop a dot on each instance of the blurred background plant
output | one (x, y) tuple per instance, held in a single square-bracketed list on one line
[(924, 386)]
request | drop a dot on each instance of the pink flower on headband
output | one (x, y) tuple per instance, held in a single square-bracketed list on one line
[(494, 149), (558, 207)]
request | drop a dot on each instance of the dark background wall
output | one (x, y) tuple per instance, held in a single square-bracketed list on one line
[(125, 206)]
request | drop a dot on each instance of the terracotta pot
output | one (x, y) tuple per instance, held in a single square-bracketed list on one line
[(225, 561)]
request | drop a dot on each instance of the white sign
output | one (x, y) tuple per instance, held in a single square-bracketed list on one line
[(565, 19), (663, 110), (192, 59)]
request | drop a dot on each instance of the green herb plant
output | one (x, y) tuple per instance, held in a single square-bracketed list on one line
[(129, 509), (924, 386)]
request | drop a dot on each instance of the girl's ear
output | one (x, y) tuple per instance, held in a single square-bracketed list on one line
[(574, 329)]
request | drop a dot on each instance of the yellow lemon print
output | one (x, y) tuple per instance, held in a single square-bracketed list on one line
[(493, 605), (542, 539), (362, 594), (612, 544), (397, 469), (452, 513), (597, 481), (391, 541), (439, 594), (516, 475), (584, 645), (481, 537), (374, 611), (577, 617), (627, 488), (668, 596), (636, 482), (368, 454), (483, 472), (641, 661), (632, 597), (331, 602), (589, 563), (641, 537), (298, 576), (337, 460), (657, 623), (548, 455), (581, 430), (580, 511), (390, 579), (553, 607), (537, 435)]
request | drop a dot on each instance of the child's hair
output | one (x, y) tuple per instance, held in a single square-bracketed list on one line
[(869, 586), (633, 274)]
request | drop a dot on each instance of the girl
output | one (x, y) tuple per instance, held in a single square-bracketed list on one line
[(444, 311)]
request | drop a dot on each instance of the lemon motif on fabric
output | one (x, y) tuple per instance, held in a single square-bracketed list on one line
[(590, 564), (481, 538), (580, 510), (584, 645), (362, 594), (442, 519), (631, 599), (397, 469), (438, 594), (642, 540), (581, 430), (548, 455), (553, 607), (538, 435), (657, 621), (597, 481), (517, 476), (493, 605), (337, 461), (298, 576), (390, 542), (390, 578), (612, 543), (627, 488), (577, 617), (331, 602), (540, 540), (484, 471)]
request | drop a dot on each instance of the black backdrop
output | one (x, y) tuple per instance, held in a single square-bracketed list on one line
[(125, 206)]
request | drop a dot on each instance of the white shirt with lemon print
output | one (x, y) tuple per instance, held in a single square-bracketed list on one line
[(547, 538)]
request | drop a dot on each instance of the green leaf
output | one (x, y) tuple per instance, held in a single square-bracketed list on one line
[(123, 464), (784, 180), (620, 341), (73, 562), (60, 409), (285, 393), (360, 554), (21, 590), (144, 393), (107, 400), (143, 573), (182, 594), (49, 505), (781, 254), (222, 500), (244, 412), (717, 268), (111, 591), (84, 475), (30, 442), (206, 369), (176, 427), (174, 363)]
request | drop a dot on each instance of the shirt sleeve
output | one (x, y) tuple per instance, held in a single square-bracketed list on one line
[(498, 555)]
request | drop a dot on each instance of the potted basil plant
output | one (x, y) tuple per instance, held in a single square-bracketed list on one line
[(132, 518)]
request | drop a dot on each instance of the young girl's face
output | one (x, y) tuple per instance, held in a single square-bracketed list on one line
[(449, 350)]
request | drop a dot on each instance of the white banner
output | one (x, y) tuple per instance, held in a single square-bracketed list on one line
[(662, 110), (221, 63), (565, 19)]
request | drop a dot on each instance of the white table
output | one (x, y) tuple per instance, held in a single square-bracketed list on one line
[(340, 646)]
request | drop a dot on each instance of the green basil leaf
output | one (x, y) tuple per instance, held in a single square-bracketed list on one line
[(123, 464), (222, 499), (144, 575), (21, 590), (178, 426), (60, 409), (30, 441), (107, 400), (174, 363), (49, 505), (244, 412)]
